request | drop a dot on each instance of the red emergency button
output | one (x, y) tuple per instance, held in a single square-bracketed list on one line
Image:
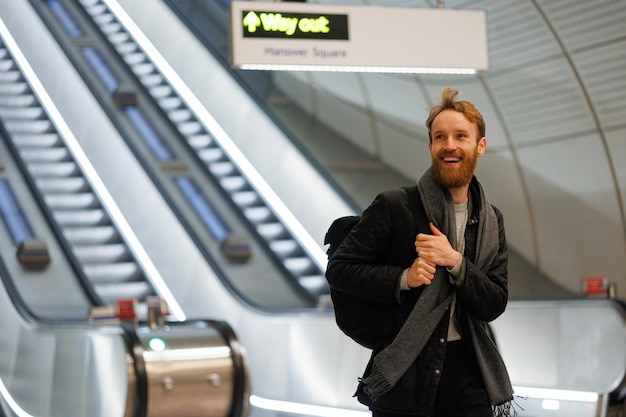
[(126, 309)]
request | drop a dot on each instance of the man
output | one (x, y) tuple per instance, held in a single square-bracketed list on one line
[(436, 267)]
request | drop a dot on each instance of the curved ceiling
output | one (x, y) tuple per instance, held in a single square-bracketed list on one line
[(554, 100)]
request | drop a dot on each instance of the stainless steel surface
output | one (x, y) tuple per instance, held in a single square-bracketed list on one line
[(62, 370), (570, 345), (192, 371)]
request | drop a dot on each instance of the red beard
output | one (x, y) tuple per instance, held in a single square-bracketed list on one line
[(456, 176)]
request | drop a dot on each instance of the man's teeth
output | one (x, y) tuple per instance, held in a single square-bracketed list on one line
[(451, 159)]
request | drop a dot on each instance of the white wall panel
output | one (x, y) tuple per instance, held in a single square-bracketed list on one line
[(344, 85), (500, 178), (578, 166), (579, 227), (408, 107), (406, 154), (352, 122), (616, 142), (296, 86)]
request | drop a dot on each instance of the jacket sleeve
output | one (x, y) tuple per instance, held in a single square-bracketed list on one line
[(358, 266), (485, 295)]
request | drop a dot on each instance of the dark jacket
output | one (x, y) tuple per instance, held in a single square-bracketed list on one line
[(369, 263)]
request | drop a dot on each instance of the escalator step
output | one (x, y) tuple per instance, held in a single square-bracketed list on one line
[(45, 154), (221, 169), (10, 76), (271, 231), (22, 113), (284, 247), (59, 169), (199, 141), (112, 292), (245, 198), (13, 89), (23, 100), (41, 140), (29, 126), (62, 185), (90, 235), (298, 266), (179, 115), (259, 214), (315, 284), (73, 201), (108, 253), (95, 217), (233, 183), (160, 91), (210, 155), (113, 273)]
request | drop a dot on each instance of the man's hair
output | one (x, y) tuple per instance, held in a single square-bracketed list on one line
[(448, 102)]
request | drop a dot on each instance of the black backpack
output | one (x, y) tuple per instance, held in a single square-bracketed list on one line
[(338, 231), (361, 320)]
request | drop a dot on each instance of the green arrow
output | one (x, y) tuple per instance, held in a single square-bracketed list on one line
[(251, 21)]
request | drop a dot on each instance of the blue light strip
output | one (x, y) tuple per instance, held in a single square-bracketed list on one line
[(158, 148), (101, 69), (203, 208), (68, 23), (12, 215)]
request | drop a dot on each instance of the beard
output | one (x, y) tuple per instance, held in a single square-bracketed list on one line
[(458, 176)]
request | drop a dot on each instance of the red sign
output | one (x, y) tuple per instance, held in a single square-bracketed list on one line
[(126, 309), (595, 285)]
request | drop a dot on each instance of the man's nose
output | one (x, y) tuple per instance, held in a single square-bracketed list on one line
[(449, 143)]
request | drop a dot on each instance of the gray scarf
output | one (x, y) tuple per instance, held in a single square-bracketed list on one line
[(392, 362)]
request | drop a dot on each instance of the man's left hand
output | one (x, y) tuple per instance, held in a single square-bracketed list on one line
[(436, 248)]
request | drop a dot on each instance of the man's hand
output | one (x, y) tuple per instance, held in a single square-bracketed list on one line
[(420, 273), (435, 248)]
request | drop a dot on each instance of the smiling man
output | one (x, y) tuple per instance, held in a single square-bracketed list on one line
[(433, 260)]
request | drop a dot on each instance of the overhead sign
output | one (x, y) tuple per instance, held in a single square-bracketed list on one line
[(263, 24), (288, 35)]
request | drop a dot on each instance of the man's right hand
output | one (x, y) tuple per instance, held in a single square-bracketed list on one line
[(420, 273)]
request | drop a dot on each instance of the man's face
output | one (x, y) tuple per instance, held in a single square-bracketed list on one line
[(454, 148)]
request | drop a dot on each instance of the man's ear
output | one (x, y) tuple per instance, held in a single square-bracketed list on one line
[(482, 145)]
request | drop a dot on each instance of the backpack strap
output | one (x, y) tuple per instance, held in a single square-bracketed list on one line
[(419, 214)]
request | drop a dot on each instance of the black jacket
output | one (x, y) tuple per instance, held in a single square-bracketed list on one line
[(369, 263)]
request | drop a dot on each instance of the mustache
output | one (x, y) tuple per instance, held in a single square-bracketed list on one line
[(454, 154)]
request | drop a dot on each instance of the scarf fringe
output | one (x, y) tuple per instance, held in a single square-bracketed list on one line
[(506, 409), (375, 384), (503, 410)]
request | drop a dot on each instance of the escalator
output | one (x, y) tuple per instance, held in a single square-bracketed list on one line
[(68, 367), (186, 153), (78, 207), (275, 335)]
